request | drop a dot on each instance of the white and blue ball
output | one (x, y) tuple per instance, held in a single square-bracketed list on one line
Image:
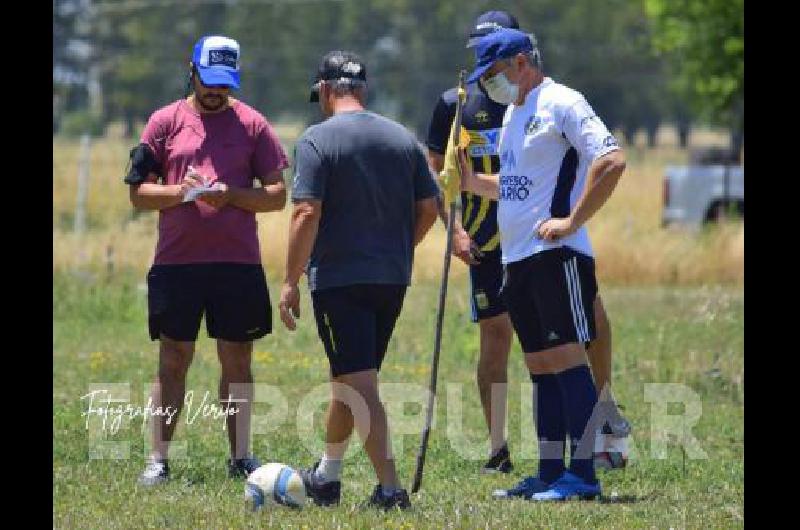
[(275, 483)]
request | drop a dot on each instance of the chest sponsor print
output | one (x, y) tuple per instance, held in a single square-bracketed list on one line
[(515, 187)]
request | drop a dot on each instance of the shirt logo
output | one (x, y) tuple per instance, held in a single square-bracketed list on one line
[(610, 141), (507, 160), (483, 143), (533, 123), (482, 116)]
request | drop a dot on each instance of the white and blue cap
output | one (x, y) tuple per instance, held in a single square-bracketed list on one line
[(216, 59)]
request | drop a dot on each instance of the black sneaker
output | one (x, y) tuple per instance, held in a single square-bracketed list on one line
[(156, 472), (323, 493), (499, 463), (242, 467), (399, 499)]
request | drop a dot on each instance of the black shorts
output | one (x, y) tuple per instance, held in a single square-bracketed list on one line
[(550, 298), (486, 281), (355, 323), (233, 296)]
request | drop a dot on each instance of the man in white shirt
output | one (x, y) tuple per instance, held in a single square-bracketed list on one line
[(558, 166)]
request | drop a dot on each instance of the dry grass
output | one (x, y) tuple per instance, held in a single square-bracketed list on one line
[(630, 245)]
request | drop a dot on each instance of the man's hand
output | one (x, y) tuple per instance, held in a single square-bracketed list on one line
[(192, 179), (556, 228), (483, 184), (467, 176), (465, 249), (217, 199), (289, 305)]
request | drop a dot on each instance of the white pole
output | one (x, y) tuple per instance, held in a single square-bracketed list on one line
[(83, 184)]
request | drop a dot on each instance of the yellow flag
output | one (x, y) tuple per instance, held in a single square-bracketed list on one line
[(450, 177)]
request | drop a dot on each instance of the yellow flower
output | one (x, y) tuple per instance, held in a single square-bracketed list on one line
[(264, 356), (98, 359)]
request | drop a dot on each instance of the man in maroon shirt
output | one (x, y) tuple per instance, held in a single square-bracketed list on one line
[(196, 164)]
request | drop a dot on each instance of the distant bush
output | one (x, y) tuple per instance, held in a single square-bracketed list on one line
[(76, 123)]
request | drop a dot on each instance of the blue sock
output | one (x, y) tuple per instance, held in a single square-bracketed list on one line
[(551, 426), (580, 396)]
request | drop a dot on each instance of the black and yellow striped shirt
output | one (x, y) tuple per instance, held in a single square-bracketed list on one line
[(483, 119)]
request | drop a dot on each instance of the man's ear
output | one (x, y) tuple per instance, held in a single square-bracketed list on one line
[(324, 90)]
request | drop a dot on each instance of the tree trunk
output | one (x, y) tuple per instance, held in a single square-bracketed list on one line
[(130, 125), (630, 134), (736, 143), (652, 133), (683, 134)]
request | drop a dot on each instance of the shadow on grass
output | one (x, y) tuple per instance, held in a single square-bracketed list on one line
[(624, 499)]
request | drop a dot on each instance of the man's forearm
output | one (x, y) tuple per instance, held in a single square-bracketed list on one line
[(443, 214), (262, 199), (302, 234), (424, 217), (152, 196), (484, 184), (601, 179)]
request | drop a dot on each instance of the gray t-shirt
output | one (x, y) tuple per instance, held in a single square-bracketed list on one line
[(368, 171)]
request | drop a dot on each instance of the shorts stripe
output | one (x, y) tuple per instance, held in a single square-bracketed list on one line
[(573, 301), (581, 307)]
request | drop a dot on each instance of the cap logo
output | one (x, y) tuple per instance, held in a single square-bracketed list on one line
[(351, 68), (488, 25), (222, 58)]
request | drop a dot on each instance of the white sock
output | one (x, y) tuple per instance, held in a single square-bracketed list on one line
[(329, 469)]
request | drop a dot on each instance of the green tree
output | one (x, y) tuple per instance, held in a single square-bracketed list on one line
[(704, 41)]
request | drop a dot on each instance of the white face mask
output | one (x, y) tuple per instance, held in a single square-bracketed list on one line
[(500, 89)]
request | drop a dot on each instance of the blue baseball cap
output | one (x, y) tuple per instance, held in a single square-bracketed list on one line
[(499, 44), (489, 22), (216, 59)]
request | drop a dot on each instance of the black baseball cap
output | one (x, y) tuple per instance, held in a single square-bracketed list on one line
[(489, 22), (338, 65)]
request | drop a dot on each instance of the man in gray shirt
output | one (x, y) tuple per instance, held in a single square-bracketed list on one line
[(363, 198)]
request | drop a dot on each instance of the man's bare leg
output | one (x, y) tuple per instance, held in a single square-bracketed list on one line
[(495, 336), (236, 385), (174, 358)]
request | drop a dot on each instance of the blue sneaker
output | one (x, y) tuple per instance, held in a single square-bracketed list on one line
[(524, 489), (568, 486)]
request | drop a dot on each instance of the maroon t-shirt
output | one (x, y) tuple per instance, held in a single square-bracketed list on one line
[(233, 146)]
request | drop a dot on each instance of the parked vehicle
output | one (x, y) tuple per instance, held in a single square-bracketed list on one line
[(710, 187)]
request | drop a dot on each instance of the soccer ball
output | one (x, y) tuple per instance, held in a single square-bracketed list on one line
[(274, 483), (610, 452)]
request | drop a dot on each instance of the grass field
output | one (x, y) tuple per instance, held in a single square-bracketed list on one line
[(677, 310), (690, 336)]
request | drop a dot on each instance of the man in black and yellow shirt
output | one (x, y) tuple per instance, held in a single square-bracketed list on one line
[(476, 240)]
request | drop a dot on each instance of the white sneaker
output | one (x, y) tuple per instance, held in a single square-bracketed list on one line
[(156, 472)]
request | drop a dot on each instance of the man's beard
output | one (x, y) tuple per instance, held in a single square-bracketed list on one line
[(212, 102)]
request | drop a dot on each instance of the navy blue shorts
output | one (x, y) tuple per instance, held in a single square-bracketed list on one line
[(486, 282), (233, 296), (550, 297), (355, 323)]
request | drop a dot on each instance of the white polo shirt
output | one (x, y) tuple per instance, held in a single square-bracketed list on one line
[(546, 147)]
